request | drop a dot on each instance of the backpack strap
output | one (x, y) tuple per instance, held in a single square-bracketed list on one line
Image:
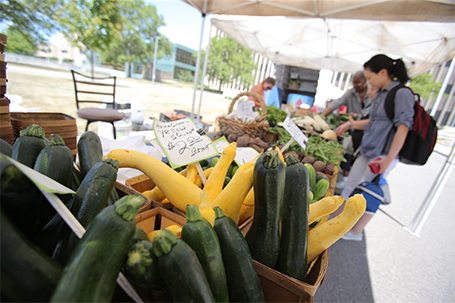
[(389, 103)]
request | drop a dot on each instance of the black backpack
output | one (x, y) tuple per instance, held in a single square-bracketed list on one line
[(421, 139)]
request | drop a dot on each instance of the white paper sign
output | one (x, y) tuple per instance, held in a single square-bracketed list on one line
[(295, 131), (183, 142), (43, 182), (242, 154), (245, 109)]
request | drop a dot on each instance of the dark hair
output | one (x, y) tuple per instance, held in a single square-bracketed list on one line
[(270, 80), (395, 68)]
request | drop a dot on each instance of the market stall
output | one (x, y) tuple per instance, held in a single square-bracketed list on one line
[(336, 35), (146, 233)]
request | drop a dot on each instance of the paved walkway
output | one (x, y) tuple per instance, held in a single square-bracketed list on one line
[(390, 264)]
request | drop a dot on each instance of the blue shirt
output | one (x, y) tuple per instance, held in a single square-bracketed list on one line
[(379, 132)]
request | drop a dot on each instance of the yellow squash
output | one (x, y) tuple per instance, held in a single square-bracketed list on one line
[(215, 182), (179, 190), (246, 211), (324, 235), (230, 200), (205, 208), (280, 154), (156, 193), (325, 206), (207, 173), (177, 230), (192, 172), (249, 199)]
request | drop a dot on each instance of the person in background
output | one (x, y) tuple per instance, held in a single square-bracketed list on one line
[(273, 96), (259, 89), (357, 134), (355, 100), (382, 137)]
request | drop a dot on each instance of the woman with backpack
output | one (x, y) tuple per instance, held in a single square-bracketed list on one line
[(383, 138)]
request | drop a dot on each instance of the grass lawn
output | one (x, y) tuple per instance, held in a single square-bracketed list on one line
[(53, 91)]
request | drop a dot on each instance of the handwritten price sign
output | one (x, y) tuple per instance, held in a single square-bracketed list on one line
[(295, 132), (183, 142)]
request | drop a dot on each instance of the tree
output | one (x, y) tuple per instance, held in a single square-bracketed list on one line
[(229, 61), (136, 41), (185, 76), (425, 86), (92, 25), (19, 44), (34, 19)]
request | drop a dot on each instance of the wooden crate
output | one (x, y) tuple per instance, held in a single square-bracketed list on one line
[(276, 286), (158, 218), (142, 183), (125, 190), (279, 287), (53, 123)]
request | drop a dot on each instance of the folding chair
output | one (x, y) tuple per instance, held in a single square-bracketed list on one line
[(99, 90)]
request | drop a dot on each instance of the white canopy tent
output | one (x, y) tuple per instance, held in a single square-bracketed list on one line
[(341, 45), (342, 35), (392, 10), (336, 35)]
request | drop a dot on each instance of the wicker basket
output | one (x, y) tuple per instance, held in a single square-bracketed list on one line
[(254, 129)]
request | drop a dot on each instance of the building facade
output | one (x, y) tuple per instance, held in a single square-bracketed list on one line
[(167, 67)]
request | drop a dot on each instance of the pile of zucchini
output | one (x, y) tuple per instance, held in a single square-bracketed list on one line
[(206, 264), (42, 258)]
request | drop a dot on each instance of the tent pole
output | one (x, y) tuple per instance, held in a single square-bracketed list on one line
[(196, 74), (443, 88), (203, 72), (430, 200)]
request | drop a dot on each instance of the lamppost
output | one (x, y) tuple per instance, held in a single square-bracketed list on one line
[(154, 59)]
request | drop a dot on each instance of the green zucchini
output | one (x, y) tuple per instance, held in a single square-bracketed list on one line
[(242, 278), (139, 235), (6, 148), (214, 161), (141, 266), (29, 144), (91, 197), (226, 181), (322, 186), (292, 260), (180, 268), (199, 234), (22, 200), (312, 175), (92, 271), (56, 161), (263, 237), (234, 170), (76, 179), (27, 274), (321, 176), (89, 151)]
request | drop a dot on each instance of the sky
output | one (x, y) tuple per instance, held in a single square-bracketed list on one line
[(183, 23), (183, 26)]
